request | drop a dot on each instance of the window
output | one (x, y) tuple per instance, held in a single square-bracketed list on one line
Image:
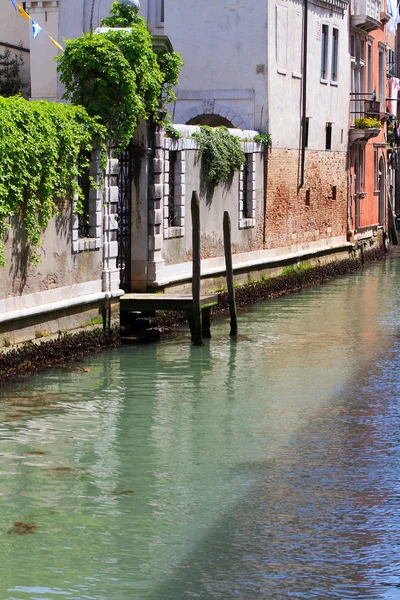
[(324, 52), (328, 136), (381, 79), (246, 199), (376, 174), (334, 192), (370, 88), (281, 41), (162, 11), (172, 211), (391, 63), (247, 193), (334, 66), (308, 198), (86, 226), (306, 132), (360, 173), (174, 193)]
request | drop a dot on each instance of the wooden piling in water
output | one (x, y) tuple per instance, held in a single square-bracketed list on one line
[(196, 321), (229, 272)]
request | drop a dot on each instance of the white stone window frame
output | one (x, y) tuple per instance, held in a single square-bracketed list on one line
[(94, 241), (246, 222), (177, 230)]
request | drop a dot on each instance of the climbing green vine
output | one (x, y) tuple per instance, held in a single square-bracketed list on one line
[(263, 138), (44, 149), (221, 153), (117, 76)]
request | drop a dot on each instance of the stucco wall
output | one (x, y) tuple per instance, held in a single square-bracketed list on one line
[(224, 48), (327, 101), (213, 203), (59, 267)]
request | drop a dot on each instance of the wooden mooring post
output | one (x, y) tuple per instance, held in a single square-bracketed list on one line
[(229, 272), (196, 320)]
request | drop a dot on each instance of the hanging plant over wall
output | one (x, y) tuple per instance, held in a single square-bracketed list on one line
[(117, 76), (221, 153), (44, 148)]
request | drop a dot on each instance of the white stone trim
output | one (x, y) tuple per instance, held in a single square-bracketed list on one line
[(110, 275), (47, 296), (213, 267), (215, 108), (59, 305), (248, 220), (178, 230)]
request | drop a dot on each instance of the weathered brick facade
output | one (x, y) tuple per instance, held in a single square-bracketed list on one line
[(317, 211)]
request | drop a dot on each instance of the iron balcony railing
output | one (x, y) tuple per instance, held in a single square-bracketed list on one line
[(364, 104)]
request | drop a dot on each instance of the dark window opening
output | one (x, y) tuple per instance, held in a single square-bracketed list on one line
[(324, 52), (328, 136), (246, 203), (308, 197), (84, 216), (162, 11), (172, 212), (335, 44), (307, 126), (334, 192)]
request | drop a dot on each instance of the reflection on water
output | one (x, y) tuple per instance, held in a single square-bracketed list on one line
[(265, 468)]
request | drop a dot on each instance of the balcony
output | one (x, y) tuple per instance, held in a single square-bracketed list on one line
[(363, 106), (335, 6), (366, 14)]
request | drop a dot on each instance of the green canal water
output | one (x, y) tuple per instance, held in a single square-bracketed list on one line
[(265, 468)]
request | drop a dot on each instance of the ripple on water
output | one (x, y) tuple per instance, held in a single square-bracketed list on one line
[(265, 467)]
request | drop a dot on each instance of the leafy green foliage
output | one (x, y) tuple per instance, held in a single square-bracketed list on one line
[(172, 132), (265, 139), (97, 76), (221, 153), (367, 123), (44, 148), (117, 76), (122, 15), (10, 79), (170, 64)]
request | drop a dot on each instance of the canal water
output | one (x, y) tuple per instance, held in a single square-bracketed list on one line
[(265, 468)]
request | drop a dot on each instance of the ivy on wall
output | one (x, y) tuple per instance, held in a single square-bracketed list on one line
[(117, 76), (44, 148), (221, 153)]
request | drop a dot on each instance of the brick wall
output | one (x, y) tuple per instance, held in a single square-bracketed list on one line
[(313, 213)]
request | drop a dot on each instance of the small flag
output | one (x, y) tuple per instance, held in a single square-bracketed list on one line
[(22, 12), (36, 29), (56, 43), (14, 4)]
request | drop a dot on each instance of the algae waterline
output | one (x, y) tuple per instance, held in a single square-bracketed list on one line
[(292, 281), (32, 357)]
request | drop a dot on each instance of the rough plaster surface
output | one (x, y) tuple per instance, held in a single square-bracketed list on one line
[(58, 267)]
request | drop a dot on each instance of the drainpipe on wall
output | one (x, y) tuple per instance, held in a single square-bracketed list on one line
[(264, 240), (304, 95)]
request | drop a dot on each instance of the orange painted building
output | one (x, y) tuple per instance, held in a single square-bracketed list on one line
[(369, 114)]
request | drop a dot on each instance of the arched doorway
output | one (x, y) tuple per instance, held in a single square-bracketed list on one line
[(210, 120), (382, 187)]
